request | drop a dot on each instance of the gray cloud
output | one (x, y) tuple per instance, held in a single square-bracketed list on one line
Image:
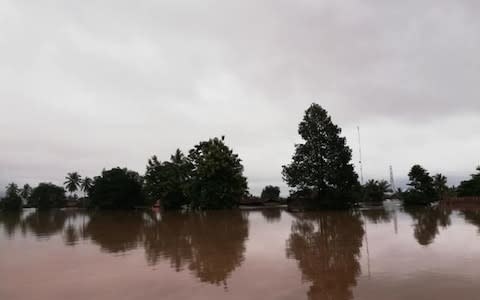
[(104, 83)]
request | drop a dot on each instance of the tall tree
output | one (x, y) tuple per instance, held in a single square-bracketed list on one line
[(217, 176), (421, 190), (321, 166), (72, 182), (167, 181)]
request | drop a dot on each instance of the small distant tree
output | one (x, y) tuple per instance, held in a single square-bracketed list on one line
[(440, 185), (217, 179), (271, 193), (470, 187), (421, 190), (117, 189), (73, 181), (12, 199), (47, 196), (168, 181), (321, 166), (25, 193), (375, 191)]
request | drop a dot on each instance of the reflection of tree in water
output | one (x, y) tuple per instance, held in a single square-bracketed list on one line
[(327, 248), (426, 222), (168, 238), (211, 244), (46, 223), (70, 235), (472, 216), (272, 214), (10, 221), (377, 215), (115, 231)]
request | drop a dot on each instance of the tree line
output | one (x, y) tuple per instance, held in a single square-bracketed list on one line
[(210, 176)]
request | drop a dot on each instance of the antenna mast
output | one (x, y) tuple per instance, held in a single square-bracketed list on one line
[(392, 181), (360, 155)]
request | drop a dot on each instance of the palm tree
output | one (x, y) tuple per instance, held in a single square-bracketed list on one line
[(72, 182), (440, 185), (86, 184), (375, 190)]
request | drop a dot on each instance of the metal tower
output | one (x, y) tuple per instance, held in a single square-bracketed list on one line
[(392, 181), (360, 155)]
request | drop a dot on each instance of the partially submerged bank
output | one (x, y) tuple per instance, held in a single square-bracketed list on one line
[(210, 176)]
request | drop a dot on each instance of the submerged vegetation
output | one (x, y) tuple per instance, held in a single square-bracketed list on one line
[(210, 176)]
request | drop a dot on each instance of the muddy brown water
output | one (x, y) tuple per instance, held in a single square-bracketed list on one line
[(258, 254)]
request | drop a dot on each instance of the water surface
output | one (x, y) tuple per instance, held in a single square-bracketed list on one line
[(258, 254)]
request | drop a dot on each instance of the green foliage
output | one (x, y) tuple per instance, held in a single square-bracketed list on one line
[(440, 186), (168, 181), (72, 182), (421, 191), (117, 189), (217, 179), (271, 193), (375, 191), (321, 167), (12, 199), (86, 184), (470, 187), (48, 195)]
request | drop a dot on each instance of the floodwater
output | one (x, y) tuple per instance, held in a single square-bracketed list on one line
[(259, 254)]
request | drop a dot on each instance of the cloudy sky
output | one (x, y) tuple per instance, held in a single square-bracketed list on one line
[(91, 84)]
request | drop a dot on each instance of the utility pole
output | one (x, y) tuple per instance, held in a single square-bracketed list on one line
[(360, 155)]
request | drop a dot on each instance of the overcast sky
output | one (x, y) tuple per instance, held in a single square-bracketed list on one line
[(86, 85)]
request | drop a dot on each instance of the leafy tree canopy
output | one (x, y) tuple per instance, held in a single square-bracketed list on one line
[(117, 189), (168, 181), (375, 191), (48, 195), (73, 181), (421, 189), (321, 166), (12, 199), (217, 179), (270, 193), (470, 187)]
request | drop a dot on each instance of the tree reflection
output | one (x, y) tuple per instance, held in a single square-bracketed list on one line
[(211, 243), (46, 223), (168, 238), (10, 221), (377, 215), (272, 214), (472, 216), (427, 221), (327, 248), (115, 231)]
